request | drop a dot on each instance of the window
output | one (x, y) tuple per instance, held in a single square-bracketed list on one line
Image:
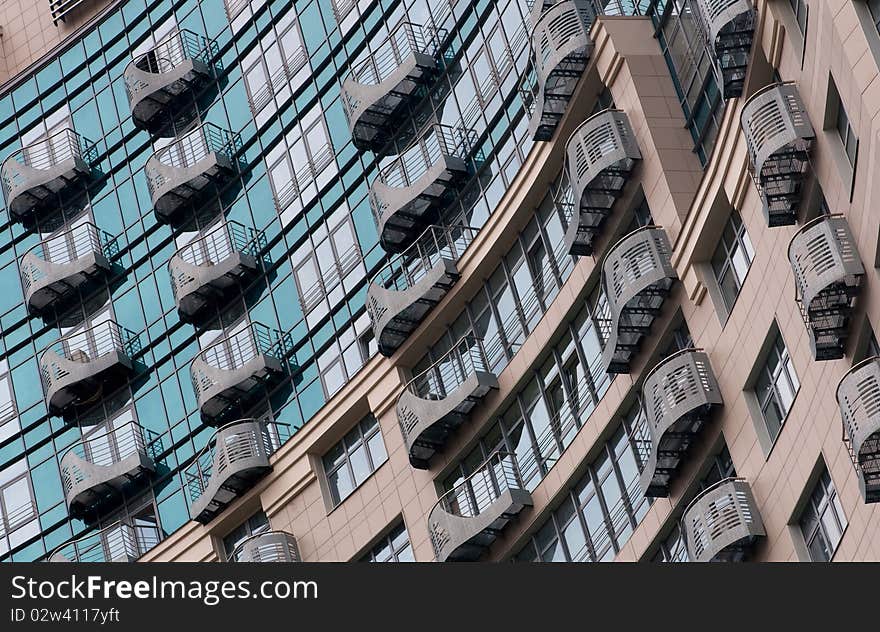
[(874, 8), (17, 505), (258, 523), (801, 10), (351, 461), (847, 133), (776, 387), (822, 521), (731, 260), (685, 47), (394, 547), (597, 516)]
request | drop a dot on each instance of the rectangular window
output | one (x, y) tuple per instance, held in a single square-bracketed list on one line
[(17, 506), (351, 461), (252, 526), (776, 387), (822, 521), (874, 7), (847, 133), (394, 547), (731, 260), (800, 9)]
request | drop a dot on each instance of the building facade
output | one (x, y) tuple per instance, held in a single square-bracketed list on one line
[(384, 281)]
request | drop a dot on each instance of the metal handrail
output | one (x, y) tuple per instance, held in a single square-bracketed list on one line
[(441, 140), (197, 144), (130, 542), (405, 39), (233, 352), (86, 237), (498, 473), (235, 237), (198, 473), (465, 358), (100, 340), (118, 443), (617, 245), (178, 47), (61, 145), (669, 358), (435, 243)]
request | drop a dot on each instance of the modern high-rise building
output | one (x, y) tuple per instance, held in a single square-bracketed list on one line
[(390, 280)]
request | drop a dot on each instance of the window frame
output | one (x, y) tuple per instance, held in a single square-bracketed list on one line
[(333, 496)]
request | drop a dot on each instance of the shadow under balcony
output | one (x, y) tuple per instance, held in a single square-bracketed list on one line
[(268, 546), (411, 192), (163, 83), (118, 542), (561, 50), (81, 367), (600, 155), (679, 396), (232, 461), (227, 375), (43, 177), (376, 95), (637, 275), (183, 175), (828, 274), (731, 28), (858, 396), (212, 268), (407, 289), (57, 267), (437, 401), (98, 471), (469, 518), (779, 137), (722, 523)]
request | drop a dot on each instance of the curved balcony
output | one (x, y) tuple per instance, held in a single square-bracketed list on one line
[(469, 517), (118, 542), (600, 155), (183, 174), (722, 523), (227, 373), (40, 178), (779, 137), (731, 27), (376, 93), (637, 274), (827, 273), (404, 291), (235, 458), (210, 269), (160, 82), (57, 267), (438, 400), (98, 471), (268, 546), (81, 367), (858, 396), (561, 49), (409, 193), (679, 394)]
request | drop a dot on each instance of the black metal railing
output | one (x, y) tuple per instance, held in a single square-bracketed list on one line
[(436, 243), (67, 247), (464, 359), (484, 486)]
